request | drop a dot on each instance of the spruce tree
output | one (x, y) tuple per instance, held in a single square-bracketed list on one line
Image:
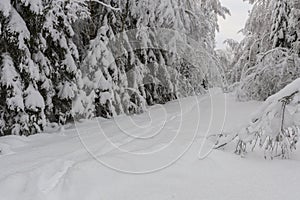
[(22, 106)]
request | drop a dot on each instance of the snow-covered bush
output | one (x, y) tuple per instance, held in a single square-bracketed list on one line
[(274, 70), (275, 126)]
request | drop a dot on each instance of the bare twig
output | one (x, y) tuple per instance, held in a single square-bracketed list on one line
[(226, 143)]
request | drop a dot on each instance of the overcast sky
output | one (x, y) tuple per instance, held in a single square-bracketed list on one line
[(232, 24)]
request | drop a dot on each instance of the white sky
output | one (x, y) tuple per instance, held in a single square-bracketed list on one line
[(232, 24)]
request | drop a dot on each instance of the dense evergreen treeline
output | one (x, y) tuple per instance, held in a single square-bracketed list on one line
[(65, 59)]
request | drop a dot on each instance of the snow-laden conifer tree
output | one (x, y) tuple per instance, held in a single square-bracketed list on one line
[(22, 105), (294, 27), (38, 54), (141, 73), (60, 57)]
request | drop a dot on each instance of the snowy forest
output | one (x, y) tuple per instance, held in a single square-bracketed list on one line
[(59, 52), (72, 69)]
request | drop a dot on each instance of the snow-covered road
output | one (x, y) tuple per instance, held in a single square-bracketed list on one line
[(152, 156)]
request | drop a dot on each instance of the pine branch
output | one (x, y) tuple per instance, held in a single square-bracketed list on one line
[(106, 5)]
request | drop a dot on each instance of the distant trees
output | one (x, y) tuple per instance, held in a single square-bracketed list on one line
[(268, 58)]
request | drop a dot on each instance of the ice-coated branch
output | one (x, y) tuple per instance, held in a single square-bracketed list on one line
[(106, 5)]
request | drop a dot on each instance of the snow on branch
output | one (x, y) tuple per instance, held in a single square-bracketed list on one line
[(106, 5), (190, 12)]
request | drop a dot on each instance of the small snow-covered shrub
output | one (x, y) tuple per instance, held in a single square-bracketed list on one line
[(275, 127)]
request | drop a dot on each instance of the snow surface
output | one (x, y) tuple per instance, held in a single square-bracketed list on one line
[(83, 163)]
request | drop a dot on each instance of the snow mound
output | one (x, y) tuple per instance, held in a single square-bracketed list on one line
[(5, 149)]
